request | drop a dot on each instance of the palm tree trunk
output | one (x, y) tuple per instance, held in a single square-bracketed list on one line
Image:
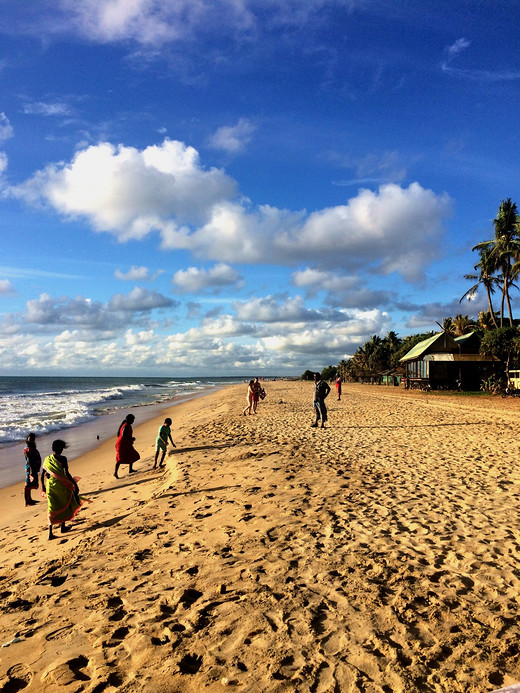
[(492, 312), (507, 284), (504, 292)]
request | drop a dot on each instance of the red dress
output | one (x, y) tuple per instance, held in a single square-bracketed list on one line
[(125, 451)]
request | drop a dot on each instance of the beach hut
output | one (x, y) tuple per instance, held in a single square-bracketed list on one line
[(444, 361)]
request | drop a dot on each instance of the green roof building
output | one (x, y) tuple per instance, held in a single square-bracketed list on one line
[(447, 361)]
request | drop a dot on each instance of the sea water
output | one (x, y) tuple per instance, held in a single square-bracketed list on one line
[(84, 410)]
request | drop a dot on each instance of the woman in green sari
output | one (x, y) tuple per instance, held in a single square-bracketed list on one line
[(62, 491)]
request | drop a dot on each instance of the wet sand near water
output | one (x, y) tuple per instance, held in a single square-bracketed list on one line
[(379, 555)]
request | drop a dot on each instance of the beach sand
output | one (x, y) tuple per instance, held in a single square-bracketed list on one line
[(379, 555)]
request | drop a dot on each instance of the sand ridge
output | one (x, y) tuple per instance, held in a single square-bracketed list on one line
[(378, 555)]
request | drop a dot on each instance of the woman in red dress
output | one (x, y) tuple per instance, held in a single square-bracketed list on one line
[(125, 451)]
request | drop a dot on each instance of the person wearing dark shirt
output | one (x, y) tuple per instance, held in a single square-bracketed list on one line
[(321, 390)]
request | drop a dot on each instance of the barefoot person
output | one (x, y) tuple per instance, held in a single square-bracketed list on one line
[(33, 463), (125, 451), (321, 390), (61, 489), (162, 442), (249, 397), (258, 393)]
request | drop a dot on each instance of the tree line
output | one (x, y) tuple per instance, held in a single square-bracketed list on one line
[(496, 271)]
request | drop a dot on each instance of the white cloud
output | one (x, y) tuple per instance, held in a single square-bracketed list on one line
[(137, 274), (6, 287), (233, 138), (138, 300), (46, 313), (194, 279), (479, 75), (394, 229), (329, 340), (130, 192), (6, 129), (152, 22), (457, 47), (56, 108), (270, 309), (310, 278)]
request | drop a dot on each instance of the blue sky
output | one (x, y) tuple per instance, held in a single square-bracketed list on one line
[(241, 187)]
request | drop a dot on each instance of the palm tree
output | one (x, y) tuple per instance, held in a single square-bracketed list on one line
[(486, 267), (462, 324), (447, 325), (486, 321), (504, 250)]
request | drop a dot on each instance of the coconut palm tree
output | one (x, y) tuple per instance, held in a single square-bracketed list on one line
[(462, 324), (447, 325), (485, 278), (486, 321), (504, 250)]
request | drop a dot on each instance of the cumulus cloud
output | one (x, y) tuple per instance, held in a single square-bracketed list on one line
[(270, 309), (341, 291), (233, 138), (6, 287), (130, 192), (329, 339), (6, 129), (137, 274), (47, 313), (196, 279), (139, 300), (393, 230), (320, 280)]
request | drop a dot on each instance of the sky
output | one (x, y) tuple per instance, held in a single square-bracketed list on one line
[(245, 187)]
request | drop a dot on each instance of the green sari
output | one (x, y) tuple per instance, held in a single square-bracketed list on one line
[(63, 499)]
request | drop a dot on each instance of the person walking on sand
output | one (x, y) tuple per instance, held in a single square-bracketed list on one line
[(125, 451), (321, 390), (33, 463), (258, 390), (161, 443), (61, 489), (338, 387), (249, 397)]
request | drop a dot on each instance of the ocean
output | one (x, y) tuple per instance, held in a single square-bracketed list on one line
[(83, 410)]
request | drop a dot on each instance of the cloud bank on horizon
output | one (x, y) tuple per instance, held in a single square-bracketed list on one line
[(288, 186)]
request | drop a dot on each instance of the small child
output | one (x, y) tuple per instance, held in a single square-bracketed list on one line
[(162, 442)]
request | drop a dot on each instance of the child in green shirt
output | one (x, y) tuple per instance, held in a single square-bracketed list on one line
[(162, 442)]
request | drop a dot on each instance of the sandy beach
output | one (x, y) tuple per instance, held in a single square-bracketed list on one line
[(380, 555)]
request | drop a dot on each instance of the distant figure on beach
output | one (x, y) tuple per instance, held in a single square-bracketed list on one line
[(321, 390), (61, 489), (161, 443), (125, 451), (249, 397), (33, 463), (338, 388), (258, 394)]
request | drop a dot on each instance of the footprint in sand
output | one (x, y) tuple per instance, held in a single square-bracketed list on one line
[(19, 677)]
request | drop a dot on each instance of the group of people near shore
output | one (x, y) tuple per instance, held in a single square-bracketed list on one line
[(58, 486), (61, 489)]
